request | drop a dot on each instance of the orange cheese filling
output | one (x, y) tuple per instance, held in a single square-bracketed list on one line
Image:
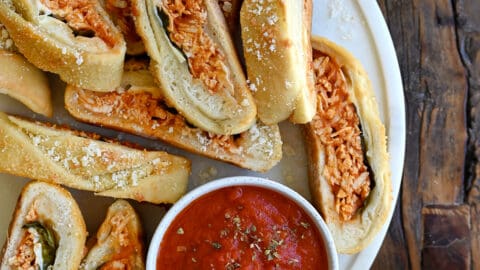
[(336, 125), (25, 257), (207, 63), (125, 247), (82, 16), (147, 111)]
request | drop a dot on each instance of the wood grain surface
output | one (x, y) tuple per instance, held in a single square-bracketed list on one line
[(436, 224)]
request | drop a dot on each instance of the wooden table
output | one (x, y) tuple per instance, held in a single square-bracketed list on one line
[(436, 224)]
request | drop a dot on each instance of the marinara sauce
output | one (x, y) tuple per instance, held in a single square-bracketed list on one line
[(242, 227)]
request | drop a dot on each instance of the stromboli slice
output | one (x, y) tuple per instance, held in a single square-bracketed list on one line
[(118, 242), (277, 50), (78, 160), (195, 64), (22, 80), (74, 39), (346, 144), (47, 230), (141, 110)]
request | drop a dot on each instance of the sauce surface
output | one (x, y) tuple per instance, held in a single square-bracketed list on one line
[(242, 227)]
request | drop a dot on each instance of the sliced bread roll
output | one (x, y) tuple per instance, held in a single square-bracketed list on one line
[(346, 145), (139, 107), (22, 80), (79, 160), (195, 64), (276, 45), (47, 230), (118, 243), (26, 83), (74, 39)]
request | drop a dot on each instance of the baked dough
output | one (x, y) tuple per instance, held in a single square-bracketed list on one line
[(118, 243), (86, 50), (51, 208), (350, 233), (141, 110), (74, 159), (277, 50), (203, 81), (26, 83)]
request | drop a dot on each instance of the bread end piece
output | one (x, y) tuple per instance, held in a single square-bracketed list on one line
[(354, 235), (119, 240), (25, 82), (306, 103), (278, 58), (54, 208), (74, 159), (59, 53)]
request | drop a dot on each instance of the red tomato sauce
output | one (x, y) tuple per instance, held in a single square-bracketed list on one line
[(242, 227)]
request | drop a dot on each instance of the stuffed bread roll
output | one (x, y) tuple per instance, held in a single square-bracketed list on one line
[(195, 64), (118, 243), (138, 107), (22, 80), (47, 230), (80, 160), (120, 12), (277, 50), (346, 143), (74, 39)]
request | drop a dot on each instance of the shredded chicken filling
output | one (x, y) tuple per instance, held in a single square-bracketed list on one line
[(336, 125), (125, 249), (147, 111), (81, 16), (122, 15), (25, 258), (207, 63)]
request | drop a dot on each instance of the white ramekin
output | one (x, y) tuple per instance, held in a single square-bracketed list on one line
[(241, 181)]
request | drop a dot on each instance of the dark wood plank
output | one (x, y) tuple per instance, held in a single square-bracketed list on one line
[(446, 238), (436, 86), (443, 126), (402, 19), (468, 29), (475, 234)]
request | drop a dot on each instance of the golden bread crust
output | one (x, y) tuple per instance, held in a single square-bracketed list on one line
[(277, 52), (24, 82), (352, 235), (141, 110), (118, 240), (229, 110), (81, 61), (54, 208), (109, 169)]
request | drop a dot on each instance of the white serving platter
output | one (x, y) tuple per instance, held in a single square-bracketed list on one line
[(358, 25)]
